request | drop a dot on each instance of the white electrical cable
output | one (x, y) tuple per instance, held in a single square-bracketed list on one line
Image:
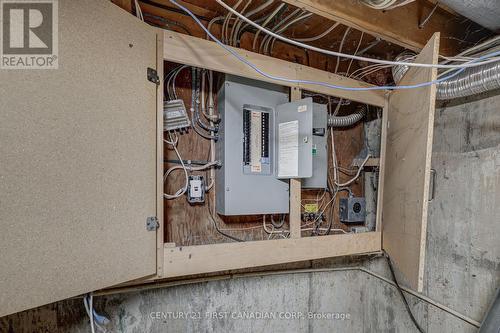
[(92, 314), (268, 19), (404, 3), (271, 41), (312, 39), (326, 84), (182, 190), (349, 182), (378, 4), (341, 47), (190, 168), (87, 302), (138, 10), (236, 24), (276, 27), (333, 53), (385, 4), (249, 14), (355, 52)]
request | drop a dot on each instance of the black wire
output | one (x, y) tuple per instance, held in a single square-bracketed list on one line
[(407, 306), (217, 227)]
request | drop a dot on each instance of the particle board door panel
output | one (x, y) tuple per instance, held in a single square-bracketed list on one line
[(78, 163), (407, 169)]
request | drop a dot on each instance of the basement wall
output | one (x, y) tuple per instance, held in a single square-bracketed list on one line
[(462, 263)]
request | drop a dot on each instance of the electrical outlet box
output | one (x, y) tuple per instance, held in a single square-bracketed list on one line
[(352, 210), (196, 190)]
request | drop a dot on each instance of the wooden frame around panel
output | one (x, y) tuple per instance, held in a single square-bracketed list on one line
[(188, 260)]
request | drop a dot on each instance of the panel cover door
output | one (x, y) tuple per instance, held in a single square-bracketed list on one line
[(293, 137), (78, 161), (407, 169)]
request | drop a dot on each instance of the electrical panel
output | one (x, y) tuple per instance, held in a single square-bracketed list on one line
[(247, 182), (264, 141)]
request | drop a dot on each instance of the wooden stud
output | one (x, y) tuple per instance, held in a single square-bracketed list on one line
[(295, 186), (381, 170)]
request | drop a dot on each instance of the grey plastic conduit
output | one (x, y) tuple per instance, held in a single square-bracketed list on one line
[(346, 121)]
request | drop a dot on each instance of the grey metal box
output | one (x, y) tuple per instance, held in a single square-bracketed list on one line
[(319, 149), (352, 210), (238, 190), (293, 142)]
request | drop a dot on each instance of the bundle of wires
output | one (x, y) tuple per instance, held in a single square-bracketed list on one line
[(385, 4), (489, 58), (186, 168)]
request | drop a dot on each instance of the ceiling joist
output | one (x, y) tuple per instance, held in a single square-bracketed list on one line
[(399, 26)]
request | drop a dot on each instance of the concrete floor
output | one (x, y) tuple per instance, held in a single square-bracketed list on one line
[(462, 264)]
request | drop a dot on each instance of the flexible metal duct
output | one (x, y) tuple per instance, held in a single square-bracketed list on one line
[(470, 82), (399, 71), (346, 121)]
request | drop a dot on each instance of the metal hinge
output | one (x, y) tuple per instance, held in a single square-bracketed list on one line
[(432, 185), (153, 76), (152, 223)]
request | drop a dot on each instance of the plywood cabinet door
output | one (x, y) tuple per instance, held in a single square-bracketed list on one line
[(78, 164), (410, 122)]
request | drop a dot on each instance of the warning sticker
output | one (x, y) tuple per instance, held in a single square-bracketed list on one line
[(311, 208), (288, 155), (302, 108)]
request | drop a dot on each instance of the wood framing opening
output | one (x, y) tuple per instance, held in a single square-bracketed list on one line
[(192, 243)]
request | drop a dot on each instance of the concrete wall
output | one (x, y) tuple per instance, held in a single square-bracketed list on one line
[(462, 264)]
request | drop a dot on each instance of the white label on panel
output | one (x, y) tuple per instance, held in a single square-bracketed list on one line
[(302, 108), (288, 155)]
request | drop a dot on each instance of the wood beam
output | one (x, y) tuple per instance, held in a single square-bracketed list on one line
[(398, 26), (198, 52), (189, 260)]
